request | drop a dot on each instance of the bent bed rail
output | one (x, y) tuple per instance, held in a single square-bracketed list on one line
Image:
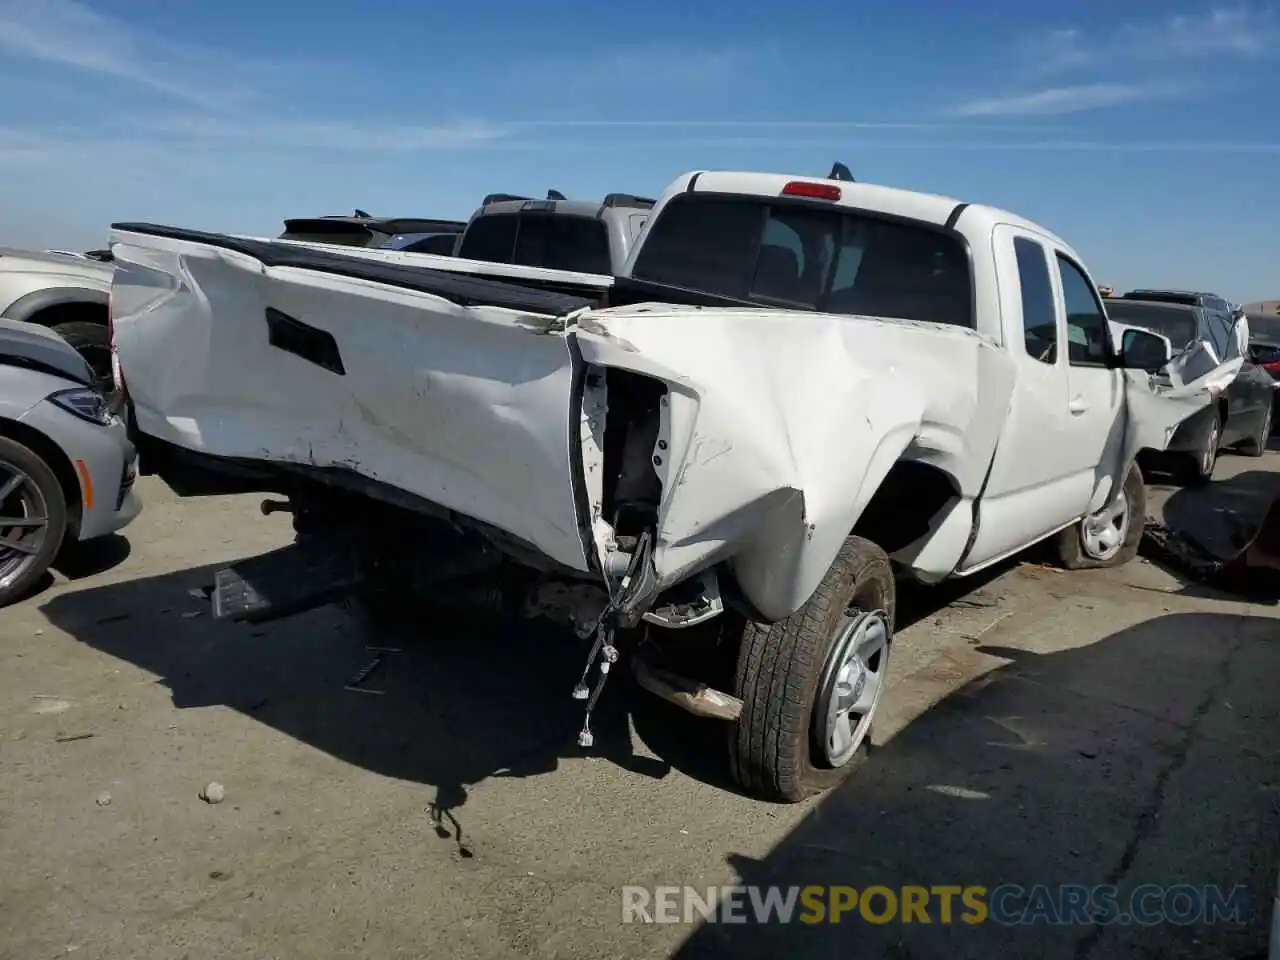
[(457, 288)]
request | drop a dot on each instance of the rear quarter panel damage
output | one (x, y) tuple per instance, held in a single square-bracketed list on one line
[(779, 428), (464, 406)]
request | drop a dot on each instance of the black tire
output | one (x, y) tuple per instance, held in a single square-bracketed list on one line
[(1198, 471), (1074, 555), (55, 503), (779, 669), (1257, 445), (93, 342)]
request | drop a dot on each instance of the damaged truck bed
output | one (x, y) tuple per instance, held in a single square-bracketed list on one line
[(796, 390)]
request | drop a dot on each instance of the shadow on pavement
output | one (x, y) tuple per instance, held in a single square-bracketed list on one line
[(1148, 757), (699, 747), (75, 561), (79, 560), (1202, 529), (464, 699), (1216, 514), (459, 702)]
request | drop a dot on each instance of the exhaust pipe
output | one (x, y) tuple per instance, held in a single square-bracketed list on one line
[(692, 696)]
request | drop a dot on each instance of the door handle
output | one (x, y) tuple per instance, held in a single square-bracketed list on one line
[(1078, 405)]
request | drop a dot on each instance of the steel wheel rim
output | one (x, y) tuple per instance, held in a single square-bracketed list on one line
[(1210, 455), (853, 680), (24, 522), (1104, 533)]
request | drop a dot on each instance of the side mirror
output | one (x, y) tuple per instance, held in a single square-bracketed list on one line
[(1141, 350)]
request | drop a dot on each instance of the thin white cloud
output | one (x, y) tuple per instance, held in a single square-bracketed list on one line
[(1122, 65), (1058, 101), (21, 146), (1246, 32), (718, 124), (276, 134), (70, 34), (192, 155)]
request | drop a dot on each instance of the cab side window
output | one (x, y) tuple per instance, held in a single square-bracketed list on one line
[(1039, 315), (1088, 335)]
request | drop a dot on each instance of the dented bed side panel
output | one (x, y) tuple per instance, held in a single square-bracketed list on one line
[(780, 427), (464, 406), (776, 430)]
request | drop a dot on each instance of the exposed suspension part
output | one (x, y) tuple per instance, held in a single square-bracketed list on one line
[(634, 591)]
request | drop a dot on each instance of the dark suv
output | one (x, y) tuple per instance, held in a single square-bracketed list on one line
[(411, 234), (1190, 298), (1243, 414)]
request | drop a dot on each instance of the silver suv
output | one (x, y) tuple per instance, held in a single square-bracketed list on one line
[(65, 292), (581, 236)]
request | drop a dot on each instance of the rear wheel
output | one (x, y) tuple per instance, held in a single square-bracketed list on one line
[(33, 519), (1200, 469), (93, 342), (1257, 444), (1110, 537), (811, 684)]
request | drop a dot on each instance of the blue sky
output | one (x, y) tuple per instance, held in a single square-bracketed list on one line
[(1147, 134)]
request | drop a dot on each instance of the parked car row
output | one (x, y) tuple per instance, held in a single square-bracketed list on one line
[(1242, 416), (67, 466), (575, 236), (64, 292)]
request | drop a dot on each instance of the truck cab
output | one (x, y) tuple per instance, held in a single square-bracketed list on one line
[(1067, 424)]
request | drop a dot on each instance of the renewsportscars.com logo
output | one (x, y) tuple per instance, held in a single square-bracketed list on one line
[(1005, 905)]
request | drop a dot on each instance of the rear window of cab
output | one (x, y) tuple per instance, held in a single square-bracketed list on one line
[(810, 256)]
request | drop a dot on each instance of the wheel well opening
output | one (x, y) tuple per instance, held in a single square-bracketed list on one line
[(632, 490), (911, 495), (79, 312), (52, 454)]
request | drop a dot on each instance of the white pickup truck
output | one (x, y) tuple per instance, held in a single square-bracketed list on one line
[(797, 390)]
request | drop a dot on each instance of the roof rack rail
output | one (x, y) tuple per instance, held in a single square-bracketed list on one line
[(840, 172), (627, 200), (501, 198), (556, 195)]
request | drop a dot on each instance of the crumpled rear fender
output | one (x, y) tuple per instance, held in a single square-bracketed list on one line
[(771, 446), (1194, 380)]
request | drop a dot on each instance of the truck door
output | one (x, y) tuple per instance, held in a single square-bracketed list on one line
[(1038, 480), (1095, 389)]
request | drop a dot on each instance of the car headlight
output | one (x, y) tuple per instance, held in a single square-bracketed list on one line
[(84, 403)]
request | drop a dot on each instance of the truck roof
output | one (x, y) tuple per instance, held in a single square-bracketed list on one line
[(1177, 293), (391, 225), (508, 203), (894, 201), (1152, 304)]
